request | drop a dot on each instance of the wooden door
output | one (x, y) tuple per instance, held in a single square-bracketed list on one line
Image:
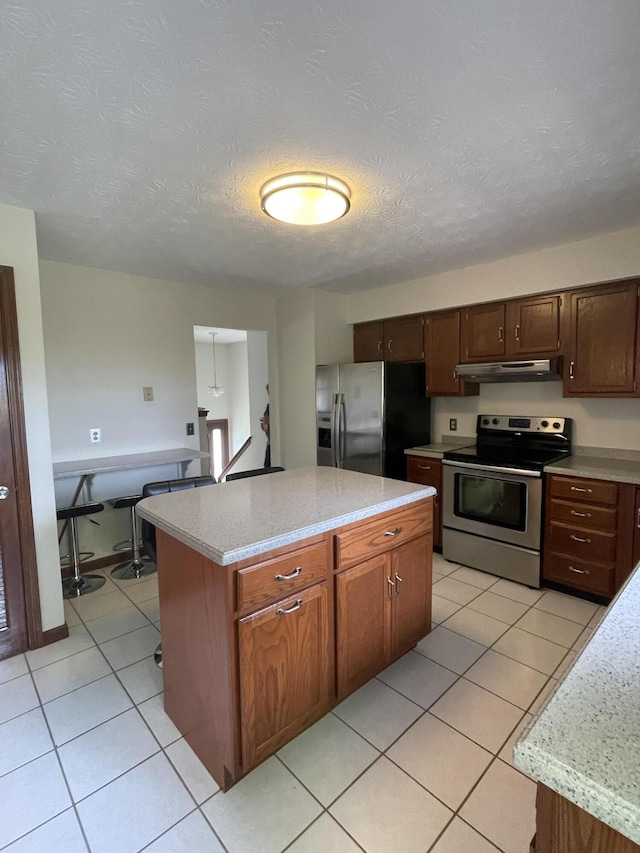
[(367, 342), (403, 339), (482, 332), (602, 344), (363, 623), (19, 602), (411, 571), (442, 353), (533, 326), (284, 671)]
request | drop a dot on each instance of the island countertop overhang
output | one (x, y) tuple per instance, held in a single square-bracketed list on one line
[(234, 521)]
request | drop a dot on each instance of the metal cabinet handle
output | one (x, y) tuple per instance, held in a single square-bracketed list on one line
[(579, 571), (518, 332), (379, 346), (577, 489), (393, 532), (500, 334), (294, 574), (281, 611), (581, 514), (389, 344), (638, 519), (392, 586), (4, 493), (572, 370), (424, 467), (578, 539), (398, 582)]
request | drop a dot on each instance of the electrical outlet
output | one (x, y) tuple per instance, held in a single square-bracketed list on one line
[(95, 435), (189, 429), (147, 394), (453, 424)]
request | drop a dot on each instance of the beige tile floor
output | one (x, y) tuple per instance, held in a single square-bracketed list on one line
[(417, 761)]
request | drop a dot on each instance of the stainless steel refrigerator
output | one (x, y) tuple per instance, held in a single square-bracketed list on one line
[(367, 414)]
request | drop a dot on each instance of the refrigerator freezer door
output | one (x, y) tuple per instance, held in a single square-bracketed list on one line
[(362, 417)]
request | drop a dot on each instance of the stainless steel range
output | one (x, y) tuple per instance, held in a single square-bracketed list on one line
[(492, 494)]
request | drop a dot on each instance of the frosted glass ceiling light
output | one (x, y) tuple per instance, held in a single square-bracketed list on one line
[(305, 198), (215, 390)]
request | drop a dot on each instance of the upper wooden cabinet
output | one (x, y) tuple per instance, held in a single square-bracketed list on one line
[(399, 339), (442, 354), (601, 358), (520, 328)]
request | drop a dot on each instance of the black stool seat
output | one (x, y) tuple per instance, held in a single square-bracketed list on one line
[(76, 511), (79, 584), (137, 567), (255, 472)]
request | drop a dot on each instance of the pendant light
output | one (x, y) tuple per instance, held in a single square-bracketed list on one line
[(305, 198), (215, 390)]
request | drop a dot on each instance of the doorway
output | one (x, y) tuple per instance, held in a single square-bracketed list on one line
[(20, 626)]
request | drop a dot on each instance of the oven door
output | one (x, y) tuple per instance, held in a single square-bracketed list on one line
[(497, 503)]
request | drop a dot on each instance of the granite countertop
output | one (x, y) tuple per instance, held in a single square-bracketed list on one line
[(620, 467), (98, 465), (243, 518), (436, 450), (585, 743)]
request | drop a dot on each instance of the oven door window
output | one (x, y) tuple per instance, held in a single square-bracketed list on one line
[(491, 501)]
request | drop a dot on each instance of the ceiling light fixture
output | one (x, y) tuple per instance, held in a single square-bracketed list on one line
[(305, 198), (215, 390)]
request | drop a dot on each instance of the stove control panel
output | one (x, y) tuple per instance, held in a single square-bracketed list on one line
[(512, 423)]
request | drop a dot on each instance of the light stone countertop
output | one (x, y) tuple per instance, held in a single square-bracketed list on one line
[(436, 450), (618, 470), (585, 743), (243, 518), (103, 464)]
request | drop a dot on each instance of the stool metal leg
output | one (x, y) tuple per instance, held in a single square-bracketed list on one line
[(137, 568), (79, 584)]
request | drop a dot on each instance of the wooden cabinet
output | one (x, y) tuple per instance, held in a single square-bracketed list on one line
[(517, 329), (601, 358), (428, 472), (442, 354), (588, 534), (383, 608), (636, 529), (396, 339), (284, 671)]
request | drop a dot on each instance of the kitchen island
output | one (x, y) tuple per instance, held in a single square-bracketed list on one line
[(584, 747), (279, 596)]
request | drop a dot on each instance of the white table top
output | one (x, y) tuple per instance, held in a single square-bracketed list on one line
[(78, 467), (585, 743), (243, 518)]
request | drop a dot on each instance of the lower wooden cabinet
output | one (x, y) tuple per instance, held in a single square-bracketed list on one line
[(428, 472), (383, 608), (284, 671)]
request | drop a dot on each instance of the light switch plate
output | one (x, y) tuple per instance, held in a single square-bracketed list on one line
[(147, 394), (453, 424)]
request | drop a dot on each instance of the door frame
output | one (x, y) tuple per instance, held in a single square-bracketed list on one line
[(9, 321)]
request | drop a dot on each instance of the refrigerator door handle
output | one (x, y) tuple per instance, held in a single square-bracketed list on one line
[(335, 430), (341, 431)]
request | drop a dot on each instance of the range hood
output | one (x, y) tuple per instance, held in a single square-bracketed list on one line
[(540, 370)]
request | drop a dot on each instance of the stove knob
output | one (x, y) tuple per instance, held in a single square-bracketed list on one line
[(485, 421), (556, 425), (496, 421), (544, 424)]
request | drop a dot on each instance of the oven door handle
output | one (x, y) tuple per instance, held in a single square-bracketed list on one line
[(479, 467)]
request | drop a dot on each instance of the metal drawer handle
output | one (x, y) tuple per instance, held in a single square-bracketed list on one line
[(398, 582), (293, 574), (424, 467), (576, 489), (581, 514), (392, 586), (578, 539), (393, 532), (579, 571), (281, 611)]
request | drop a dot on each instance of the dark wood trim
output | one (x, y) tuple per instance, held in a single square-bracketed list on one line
[(55, 634), (9, 319)]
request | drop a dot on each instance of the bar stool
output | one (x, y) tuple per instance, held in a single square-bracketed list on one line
[(79, 584), (136, 568)]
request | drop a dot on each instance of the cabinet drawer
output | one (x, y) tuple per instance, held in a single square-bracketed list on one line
[(582, 543), (383, 533), (422, 469), (582, 574), (594, 491), (264, 582), (594, 517)]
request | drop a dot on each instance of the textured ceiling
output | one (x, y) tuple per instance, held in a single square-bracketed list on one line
[(140, 131)]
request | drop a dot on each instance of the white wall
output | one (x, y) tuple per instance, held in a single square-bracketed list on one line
[(18, 249), (257, 357), (597, 423), (240, 427)]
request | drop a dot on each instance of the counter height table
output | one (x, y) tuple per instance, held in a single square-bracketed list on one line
[(279, 596)]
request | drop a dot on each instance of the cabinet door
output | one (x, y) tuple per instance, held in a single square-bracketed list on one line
[(482, 332), (533, 326), (403, 339), (368, 342), (636, 531), (363, 623), (284, 671), (411, 572), (428, 472), (602, 339), (442, 353)]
